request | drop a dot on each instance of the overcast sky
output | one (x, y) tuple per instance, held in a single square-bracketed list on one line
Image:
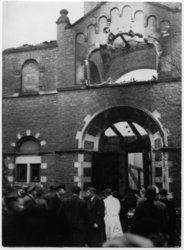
[(33, 22)]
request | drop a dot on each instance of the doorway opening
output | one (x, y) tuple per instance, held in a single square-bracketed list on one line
[(124, 158)]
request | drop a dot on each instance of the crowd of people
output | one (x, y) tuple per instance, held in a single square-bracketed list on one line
[(63, 218)]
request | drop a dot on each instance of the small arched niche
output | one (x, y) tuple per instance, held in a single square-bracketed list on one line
[(91, 34), (139, 22), (30, 77)]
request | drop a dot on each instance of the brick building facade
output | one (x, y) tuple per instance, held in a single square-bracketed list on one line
[(60, 98)]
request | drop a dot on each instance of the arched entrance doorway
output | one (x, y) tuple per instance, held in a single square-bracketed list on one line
[(123, 159), (120, 147)]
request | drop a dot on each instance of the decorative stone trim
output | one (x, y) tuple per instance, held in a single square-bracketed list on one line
[(43, 178), (15, 95), (43, 143), (28, 132), (10, 178), (11, 166), (37, 135), (44, 166), (77, 164), (90, 138), (87, 118), (78, 135), (81, 179), (156, 114), (170, 179), (86, 164), (19, 136), (158, 179)]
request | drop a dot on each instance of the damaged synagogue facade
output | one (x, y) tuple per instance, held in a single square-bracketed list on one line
[(76, 111)]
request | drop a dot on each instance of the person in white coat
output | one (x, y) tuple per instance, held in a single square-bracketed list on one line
[(112, 221)]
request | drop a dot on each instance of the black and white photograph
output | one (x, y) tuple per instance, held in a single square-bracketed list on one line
[(91, 124)]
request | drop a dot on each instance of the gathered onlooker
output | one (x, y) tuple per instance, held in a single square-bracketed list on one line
[(54, 198), (171, 216), (128, 205), (150, 218), (13, 231), (74, 219), (96, 231), (112, 221)]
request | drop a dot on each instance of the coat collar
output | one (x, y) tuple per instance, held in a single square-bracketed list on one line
[(93, 201)]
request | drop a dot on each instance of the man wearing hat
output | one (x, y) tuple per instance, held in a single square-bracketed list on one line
[(54, 202), (74, 218), (12, 221), (29, 198), (150, 218), (171, 216)]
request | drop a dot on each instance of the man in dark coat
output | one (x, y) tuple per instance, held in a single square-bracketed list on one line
[(96, 209), (54, 199), (171, 216), (150, 218), (13, 230), (128, 204), (29, 199), (74, 218)]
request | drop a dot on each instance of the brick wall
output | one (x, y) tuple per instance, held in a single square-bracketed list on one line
[(13, 62), (58, 117)]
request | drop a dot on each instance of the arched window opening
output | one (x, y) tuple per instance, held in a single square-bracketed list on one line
[(94, 74), (30, 77), (28, 146), (138, 76), (28, 164), (139, 22), (126, 18), (91, 34), (80, 38)]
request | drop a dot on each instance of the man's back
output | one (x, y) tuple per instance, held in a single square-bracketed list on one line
[(112, 206), (74, 212), (150, 217)]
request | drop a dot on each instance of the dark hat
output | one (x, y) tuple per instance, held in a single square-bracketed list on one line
[(92, 189), (31, 189), (38, 187), (25, 187), (75, 190), (11, 197), (163, 192), (151, 192), (108, 191), (61, 187), (52, 187)]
